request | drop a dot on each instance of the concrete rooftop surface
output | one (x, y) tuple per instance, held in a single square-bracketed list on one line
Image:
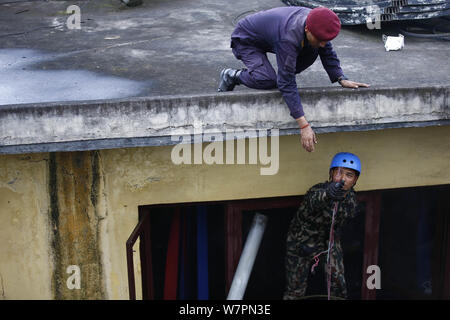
[(136, 72)]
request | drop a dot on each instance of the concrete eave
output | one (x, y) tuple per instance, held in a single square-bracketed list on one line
[(153, 121)]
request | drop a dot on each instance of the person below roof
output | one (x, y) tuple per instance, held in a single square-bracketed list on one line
[(296, 35), (316, 227)]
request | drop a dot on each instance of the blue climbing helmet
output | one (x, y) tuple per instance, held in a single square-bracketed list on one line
[(346, 160)]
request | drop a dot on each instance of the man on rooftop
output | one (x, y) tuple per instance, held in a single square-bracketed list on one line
[(297, 36)]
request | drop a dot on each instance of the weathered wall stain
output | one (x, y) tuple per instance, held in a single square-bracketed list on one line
[(2, 288), (74, 179)]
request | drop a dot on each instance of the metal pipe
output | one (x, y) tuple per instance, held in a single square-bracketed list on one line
[(247, 258)]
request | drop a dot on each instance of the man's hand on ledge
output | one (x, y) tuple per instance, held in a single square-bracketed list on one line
[(353, 84)]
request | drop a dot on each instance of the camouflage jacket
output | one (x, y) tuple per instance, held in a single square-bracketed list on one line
[(309, 230)]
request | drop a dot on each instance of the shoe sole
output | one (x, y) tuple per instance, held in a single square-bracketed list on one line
[(223, 87)]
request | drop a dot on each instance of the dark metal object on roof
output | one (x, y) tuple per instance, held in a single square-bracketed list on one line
[(132, 3), (352, 12)]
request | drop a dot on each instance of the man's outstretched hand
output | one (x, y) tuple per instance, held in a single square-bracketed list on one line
[(353, 84), (308, 138)]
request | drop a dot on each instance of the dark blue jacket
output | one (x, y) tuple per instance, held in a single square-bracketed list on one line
[(282, 31)]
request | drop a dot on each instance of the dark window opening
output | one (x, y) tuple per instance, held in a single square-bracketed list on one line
[(403, 231), (189, 282), (414, 243)]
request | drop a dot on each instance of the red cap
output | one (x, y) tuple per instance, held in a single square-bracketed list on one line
[(323, 23)]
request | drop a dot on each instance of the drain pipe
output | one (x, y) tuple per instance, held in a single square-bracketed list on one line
[(247, 258)]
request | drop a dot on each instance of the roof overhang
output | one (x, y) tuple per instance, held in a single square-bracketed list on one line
[(155, 121)]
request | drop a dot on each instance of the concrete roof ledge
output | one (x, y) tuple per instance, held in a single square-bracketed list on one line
[(100, 124)]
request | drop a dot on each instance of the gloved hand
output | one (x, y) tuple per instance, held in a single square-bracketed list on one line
[(335, 190)]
